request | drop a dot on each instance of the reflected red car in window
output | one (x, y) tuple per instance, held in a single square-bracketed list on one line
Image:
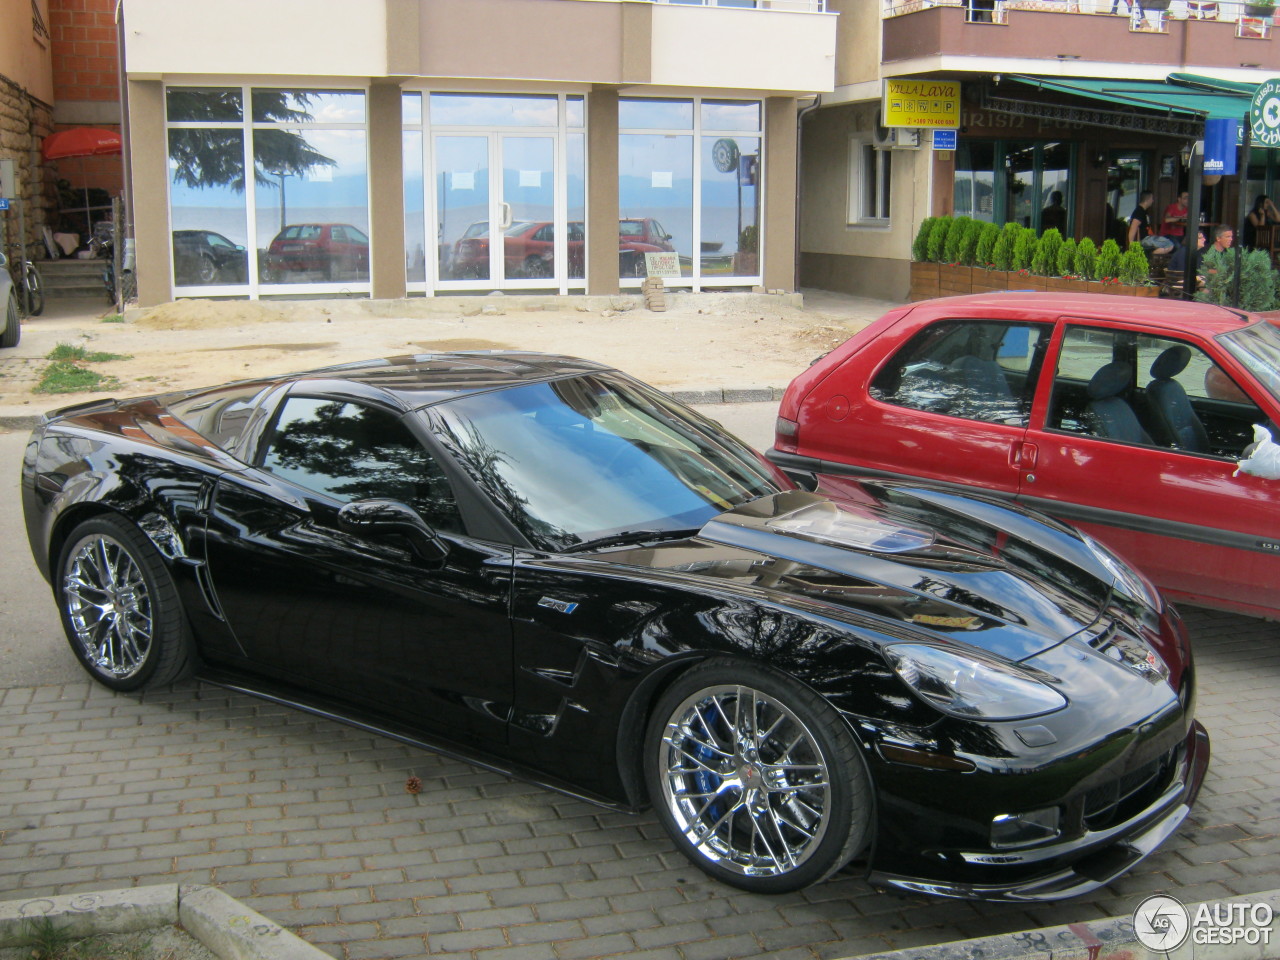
[(1124, 416), (318, 251)]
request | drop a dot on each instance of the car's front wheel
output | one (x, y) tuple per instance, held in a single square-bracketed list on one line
[(120, 608), (756, 777)]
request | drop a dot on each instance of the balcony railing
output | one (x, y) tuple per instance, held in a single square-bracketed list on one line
[(1252, 22)]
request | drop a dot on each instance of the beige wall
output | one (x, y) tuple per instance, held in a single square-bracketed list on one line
[(857, 41), (24, 59), (779, 251), (337, 38), (386, 193), (580, 41), (827, 132), (150, 177), (743, 49), (602, 190)]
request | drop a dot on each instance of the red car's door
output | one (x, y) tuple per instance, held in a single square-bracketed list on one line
[(951, 403), (1107, 460)]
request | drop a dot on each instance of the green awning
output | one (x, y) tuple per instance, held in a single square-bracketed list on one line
[(1203, 98)]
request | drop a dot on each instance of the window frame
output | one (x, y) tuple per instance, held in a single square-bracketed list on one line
[(862, 146)]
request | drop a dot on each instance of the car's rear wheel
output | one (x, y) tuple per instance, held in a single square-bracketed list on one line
[(12, 323), (756, 778), (120, 608), (206, 269)]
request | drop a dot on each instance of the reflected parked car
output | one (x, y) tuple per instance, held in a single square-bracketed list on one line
[(317, 251), (636, 237), (202, 257), (544, 565), (1125, 416)]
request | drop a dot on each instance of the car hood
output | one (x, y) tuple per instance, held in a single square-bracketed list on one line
[(906, 561)]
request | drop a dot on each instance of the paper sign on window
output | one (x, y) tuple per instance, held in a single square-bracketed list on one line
[(531, 178), (462, 180), (662, 179)]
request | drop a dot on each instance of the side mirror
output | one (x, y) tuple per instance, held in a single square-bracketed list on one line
[(375, 517)]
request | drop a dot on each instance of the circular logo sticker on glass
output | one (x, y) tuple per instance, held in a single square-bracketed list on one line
[(1161, 923)]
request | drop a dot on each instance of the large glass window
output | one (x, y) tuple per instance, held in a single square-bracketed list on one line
[(311, 186), (302, 218), (207, 205), (1026, 181), (689, 183)]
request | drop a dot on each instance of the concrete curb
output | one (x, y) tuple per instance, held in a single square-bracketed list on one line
[(223, 924), (1110, 939)]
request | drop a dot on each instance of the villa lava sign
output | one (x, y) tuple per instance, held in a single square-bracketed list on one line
[(1264, 114)]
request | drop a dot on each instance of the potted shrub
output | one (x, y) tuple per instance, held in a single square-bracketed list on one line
[(1257, 8), (746, 260)]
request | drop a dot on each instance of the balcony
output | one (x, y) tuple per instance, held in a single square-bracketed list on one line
[(928, 35)]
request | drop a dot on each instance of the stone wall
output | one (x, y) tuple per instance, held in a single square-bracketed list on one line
[(24, 122)]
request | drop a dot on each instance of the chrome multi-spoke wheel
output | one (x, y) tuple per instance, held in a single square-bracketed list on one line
[(755, 778), (108, 606), (119, 606)]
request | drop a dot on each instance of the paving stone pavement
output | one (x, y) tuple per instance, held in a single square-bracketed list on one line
[(308, 822)]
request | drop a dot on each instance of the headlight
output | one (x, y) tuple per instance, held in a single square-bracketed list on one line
[(972, 688), (1130, 581)]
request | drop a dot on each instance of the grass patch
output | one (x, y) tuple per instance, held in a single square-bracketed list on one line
[(47, 942), (76, 353), (63, 376), (113, 318)]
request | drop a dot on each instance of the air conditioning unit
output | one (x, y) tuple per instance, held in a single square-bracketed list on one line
[(897, 138)]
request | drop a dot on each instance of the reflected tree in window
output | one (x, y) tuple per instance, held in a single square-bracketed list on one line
[(214, 157)]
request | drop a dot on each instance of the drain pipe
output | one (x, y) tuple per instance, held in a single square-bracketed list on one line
[(800, 118)]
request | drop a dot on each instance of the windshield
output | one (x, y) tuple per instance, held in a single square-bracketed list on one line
[(1257, 347), (591, 457)]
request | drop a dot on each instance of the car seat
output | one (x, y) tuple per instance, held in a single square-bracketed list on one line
[(1108, 414), (1173, 420)]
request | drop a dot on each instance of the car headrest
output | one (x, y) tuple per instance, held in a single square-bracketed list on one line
[(1171, 363), (1109, 381)]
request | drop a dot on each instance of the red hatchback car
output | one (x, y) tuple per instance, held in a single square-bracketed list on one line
[(1122, 415)]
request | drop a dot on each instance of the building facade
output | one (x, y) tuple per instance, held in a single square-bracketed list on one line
[(1069, 109), (416, 147), (26, 112)]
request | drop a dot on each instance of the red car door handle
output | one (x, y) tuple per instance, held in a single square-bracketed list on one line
[(1022, 456)]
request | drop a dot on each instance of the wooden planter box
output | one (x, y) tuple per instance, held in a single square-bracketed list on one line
[(924, 280), (930, 280), (955, 280)]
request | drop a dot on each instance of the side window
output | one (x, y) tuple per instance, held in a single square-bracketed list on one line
[(1135, 388), (545, 234), (975, 369), (353, 452)]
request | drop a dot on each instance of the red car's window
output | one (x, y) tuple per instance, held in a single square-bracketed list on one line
[(1159, 391), (975, 369)]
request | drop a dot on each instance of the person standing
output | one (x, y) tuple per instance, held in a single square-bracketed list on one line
[(1174, 223)]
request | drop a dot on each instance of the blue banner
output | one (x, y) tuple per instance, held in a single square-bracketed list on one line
[(1221, 138)]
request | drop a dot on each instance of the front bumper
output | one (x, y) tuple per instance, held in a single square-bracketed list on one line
[(1094, 859)]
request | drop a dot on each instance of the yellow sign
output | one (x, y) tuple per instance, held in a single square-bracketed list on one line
[(921, 103)]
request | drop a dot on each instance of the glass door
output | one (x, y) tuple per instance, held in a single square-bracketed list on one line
[(496, 221)]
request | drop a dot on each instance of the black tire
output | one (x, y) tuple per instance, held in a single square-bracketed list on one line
[(12, 323), (36, 288), (769, 814), (206, 270), (119, 607)]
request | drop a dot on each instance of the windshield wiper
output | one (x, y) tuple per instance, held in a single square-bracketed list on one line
[(633, 537)]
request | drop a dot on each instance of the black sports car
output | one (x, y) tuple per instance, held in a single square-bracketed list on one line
[(546, 567)]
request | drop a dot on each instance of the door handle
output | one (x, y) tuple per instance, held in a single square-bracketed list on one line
[(1022, 456), (506, 220)]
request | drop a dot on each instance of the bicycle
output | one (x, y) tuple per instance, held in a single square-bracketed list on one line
[(27, 285)]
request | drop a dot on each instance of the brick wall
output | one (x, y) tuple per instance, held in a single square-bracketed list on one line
[(86, 85)]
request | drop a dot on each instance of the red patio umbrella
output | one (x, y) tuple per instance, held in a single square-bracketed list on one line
[(82, 142)]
